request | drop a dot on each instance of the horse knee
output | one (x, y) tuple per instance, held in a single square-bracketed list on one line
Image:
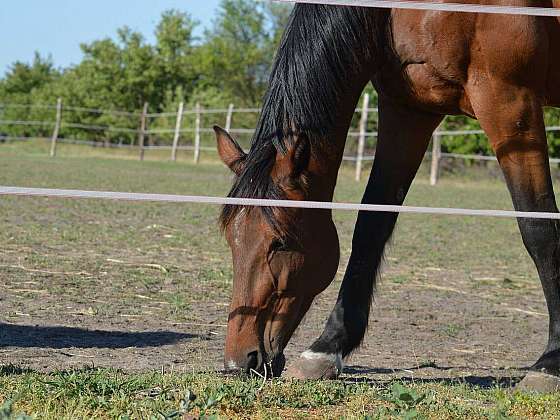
[(541, 238)]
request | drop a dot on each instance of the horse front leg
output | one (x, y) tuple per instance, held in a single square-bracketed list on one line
[(516, 131), (400, 150)]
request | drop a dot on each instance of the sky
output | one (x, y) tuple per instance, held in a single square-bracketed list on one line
[(58, 27)]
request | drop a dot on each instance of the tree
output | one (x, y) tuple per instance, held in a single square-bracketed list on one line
[(22, 78), (140, 74), (21, 86), (175, 48), (236, 55)]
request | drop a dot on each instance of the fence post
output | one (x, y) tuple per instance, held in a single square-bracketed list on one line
[(56, 126), (362, 138), (229, 117), (436, 156), (177, 131), (197, 134), (142, 132)]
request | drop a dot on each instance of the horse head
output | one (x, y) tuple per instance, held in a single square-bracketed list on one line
[(282, 258)]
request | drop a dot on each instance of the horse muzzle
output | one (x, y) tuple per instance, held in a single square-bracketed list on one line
[(257, 363)]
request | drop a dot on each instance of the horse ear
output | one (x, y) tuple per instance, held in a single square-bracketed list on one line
[(299, 155), (229, 150)]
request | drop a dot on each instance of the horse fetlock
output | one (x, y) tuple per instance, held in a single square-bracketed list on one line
[(548, 363), (544, 376), (314, 365)]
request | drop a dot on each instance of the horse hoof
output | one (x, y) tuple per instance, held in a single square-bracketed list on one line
[(311, 365), (539, 382)]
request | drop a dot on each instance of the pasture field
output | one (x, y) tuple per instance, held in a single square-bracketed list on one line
[(117, 309)]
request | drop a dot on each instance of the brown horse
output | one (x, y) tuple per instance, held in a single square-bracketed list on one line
[(499, 69)]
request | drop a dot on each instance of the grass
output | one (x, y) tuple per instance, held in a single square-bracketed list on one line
[(99, 393), (64, 260), (444, 241)]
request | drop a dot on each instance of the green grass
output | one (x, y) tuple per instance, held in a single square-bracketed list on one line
[(108, 258), (98, 393)]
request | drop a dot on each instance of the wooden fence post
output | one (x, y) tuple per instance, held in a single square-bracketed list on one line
[(436, 156), (197, 135), (56, 126), (178, 124), (362, 138), (142, 132), (229, 117)]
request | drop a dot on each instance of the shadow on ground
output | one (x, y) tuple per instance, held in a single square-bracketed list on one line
[(66, 337), (481, 381)]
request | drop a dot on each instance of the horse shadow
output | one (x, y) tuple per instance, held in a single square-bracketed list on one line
[(26, 336), (508, 380)]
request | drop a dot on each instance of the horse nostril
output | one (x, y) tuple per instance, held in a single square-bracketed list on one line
[(252, 361)]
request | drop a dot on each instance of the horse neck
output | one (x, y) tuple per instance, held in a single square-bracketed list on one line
[(326, 57)]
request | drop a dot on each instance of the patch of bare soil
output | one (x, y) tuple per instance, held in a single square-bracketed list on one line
[(435, 325)]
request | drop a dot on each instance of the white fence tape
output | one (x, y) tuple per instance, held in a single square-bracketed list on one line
[(166, 198), (439, 7)]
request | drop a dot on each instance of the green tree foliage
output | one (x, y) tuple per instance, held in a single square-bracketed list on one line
[(175, 60), (237, 52), (229, 64), (22, 83), (23, 79)]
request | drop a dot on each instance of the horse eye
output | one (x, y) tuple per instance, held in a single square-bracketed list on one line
[(278, 245)]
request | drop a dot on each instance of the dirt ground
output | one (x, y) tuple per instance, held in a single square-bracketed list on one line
[(435, 326)]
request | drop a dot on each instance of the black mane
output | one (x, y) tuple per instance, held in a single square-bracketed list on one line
[(320, 47)]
